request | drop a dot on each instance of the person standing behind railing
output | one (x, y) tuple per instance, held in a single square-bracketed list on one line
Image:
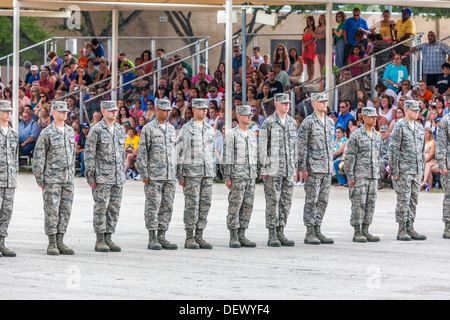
[(340, 42), (404, 29)]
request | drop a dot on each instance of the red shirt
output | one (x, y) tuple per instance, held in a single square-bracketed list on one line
[(427, 95), (48, 84)]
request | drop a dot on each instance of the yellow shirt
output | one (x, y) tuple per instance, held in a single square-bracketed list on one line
[(132, 143), (403, 28)]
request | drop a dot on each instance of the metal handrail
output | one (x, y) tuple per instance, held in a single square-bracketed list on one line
[(136, 67), (419, 35)]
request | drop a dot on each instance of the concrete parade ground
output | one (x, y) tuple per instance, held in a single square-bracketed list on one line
[(389, 269)]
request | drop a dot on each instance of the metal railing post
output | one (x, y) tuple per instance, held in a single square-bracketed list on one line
[(153, 49), (373, 81), (293, 106), (121, 86), (207, 54), (197, 57), (7, 70), (110, 49), (45, 52)]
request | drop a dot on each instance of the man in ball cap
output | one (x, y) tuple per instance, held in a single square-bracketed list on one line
[(240, 169), (362, 168), (443, 159), (278, 157), (54, 170), (315, 149), (407, 162), (156, 164), (104, 159), (9, 166), (196, 169)]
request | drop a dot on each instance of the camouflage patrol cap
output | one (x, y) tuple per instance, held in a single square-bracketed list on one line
[(319, 96), (244, 110), (60, 106), (384, 128), (369, 112), (163, 104), (199, 104), (282, 98), (5, 105), (412, 105), (109, 106)]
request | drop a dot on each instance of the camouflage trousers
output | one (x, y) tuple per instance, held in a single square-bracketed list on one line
[(58, 199), (159, 197), (363, 197), (240, 203), (317, 193), (445, 180), (107, 201), (278, 192), (197, 202), (6, 209), (407, 188)]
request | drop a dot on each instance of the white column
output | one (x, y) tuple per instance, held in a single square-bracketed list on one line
[(114, 49), (16, 62), (228, 64), (329, 49)]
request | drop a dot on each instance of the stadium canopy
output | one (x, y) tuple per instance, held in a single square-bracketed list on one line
[(115, 6)]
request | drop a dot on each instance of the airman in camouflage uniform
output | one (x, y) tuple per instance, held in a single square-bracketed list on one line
[(443, 159), (9, 157), (407, 161), (361, 166), (196, 169), (156, 164), (278, 158), (315, 140), (240, 169), (384, 155), (104, 159), (54, 171)]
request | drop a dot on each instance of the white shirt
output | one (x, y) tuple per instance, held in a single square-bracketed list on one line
[(5, 130)]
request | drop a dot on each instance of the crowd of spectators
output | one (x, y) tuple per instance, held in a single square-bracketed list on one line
[(266, 74)]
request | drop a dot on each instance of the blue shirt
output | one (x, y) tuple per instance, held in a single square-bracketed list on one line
[(395, 74), (28, 130), (144, 102), (34, 78), (237, 63), (99, 52), (434, 56), (351, 26), (128, 78), (343, 120)]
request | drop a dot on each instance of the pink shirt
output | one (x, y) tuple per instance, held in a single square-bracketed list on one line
[(356, 71)]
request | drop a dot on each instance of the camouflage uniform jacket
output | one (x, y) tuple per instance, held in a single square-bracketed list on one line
[(9, 157), (278, 147), (240, 155), (195, 151), (362, 160), (407, 149), (156, 158), (104, 156), (384, 155), (315, 145), (54, 156), (443, 144)]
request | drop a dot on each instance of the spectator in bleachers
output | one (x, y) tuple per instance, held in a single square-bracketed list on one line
[(381, 90), (354, 57), (344, 115), (404, 29), (434, 53), (351, 26), (257, 59), (34, 96), (275, 86), (237, 61), (67, 78), (281, 76), (309, 47), (125, 117), (103, 74), (338, 150), (44, 118), (186, 86), (145, 96), (424, 105), (80, 147), (175, 119), (395, 73), (387, 110), (257, 81), (136, 111), (339, 37), (83, 58), (23, 99), (27, 66), (266, 93), (201, 76), (431, 121), (405, 90), (265, 67), (443, 82), (143, 82), (45, 85), (319, 36), (55, 62), (127, 78), (439, 104), (123, 60), (249, 71), (214, 95), (35, 76), (146, 57), (70, 61), (151, 111), (82, 80), (131, 147), (384, 27), (98, 51), (29, 131), (350, 90), (281, 56), (297, 66), (164, 62), (91, 70)]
